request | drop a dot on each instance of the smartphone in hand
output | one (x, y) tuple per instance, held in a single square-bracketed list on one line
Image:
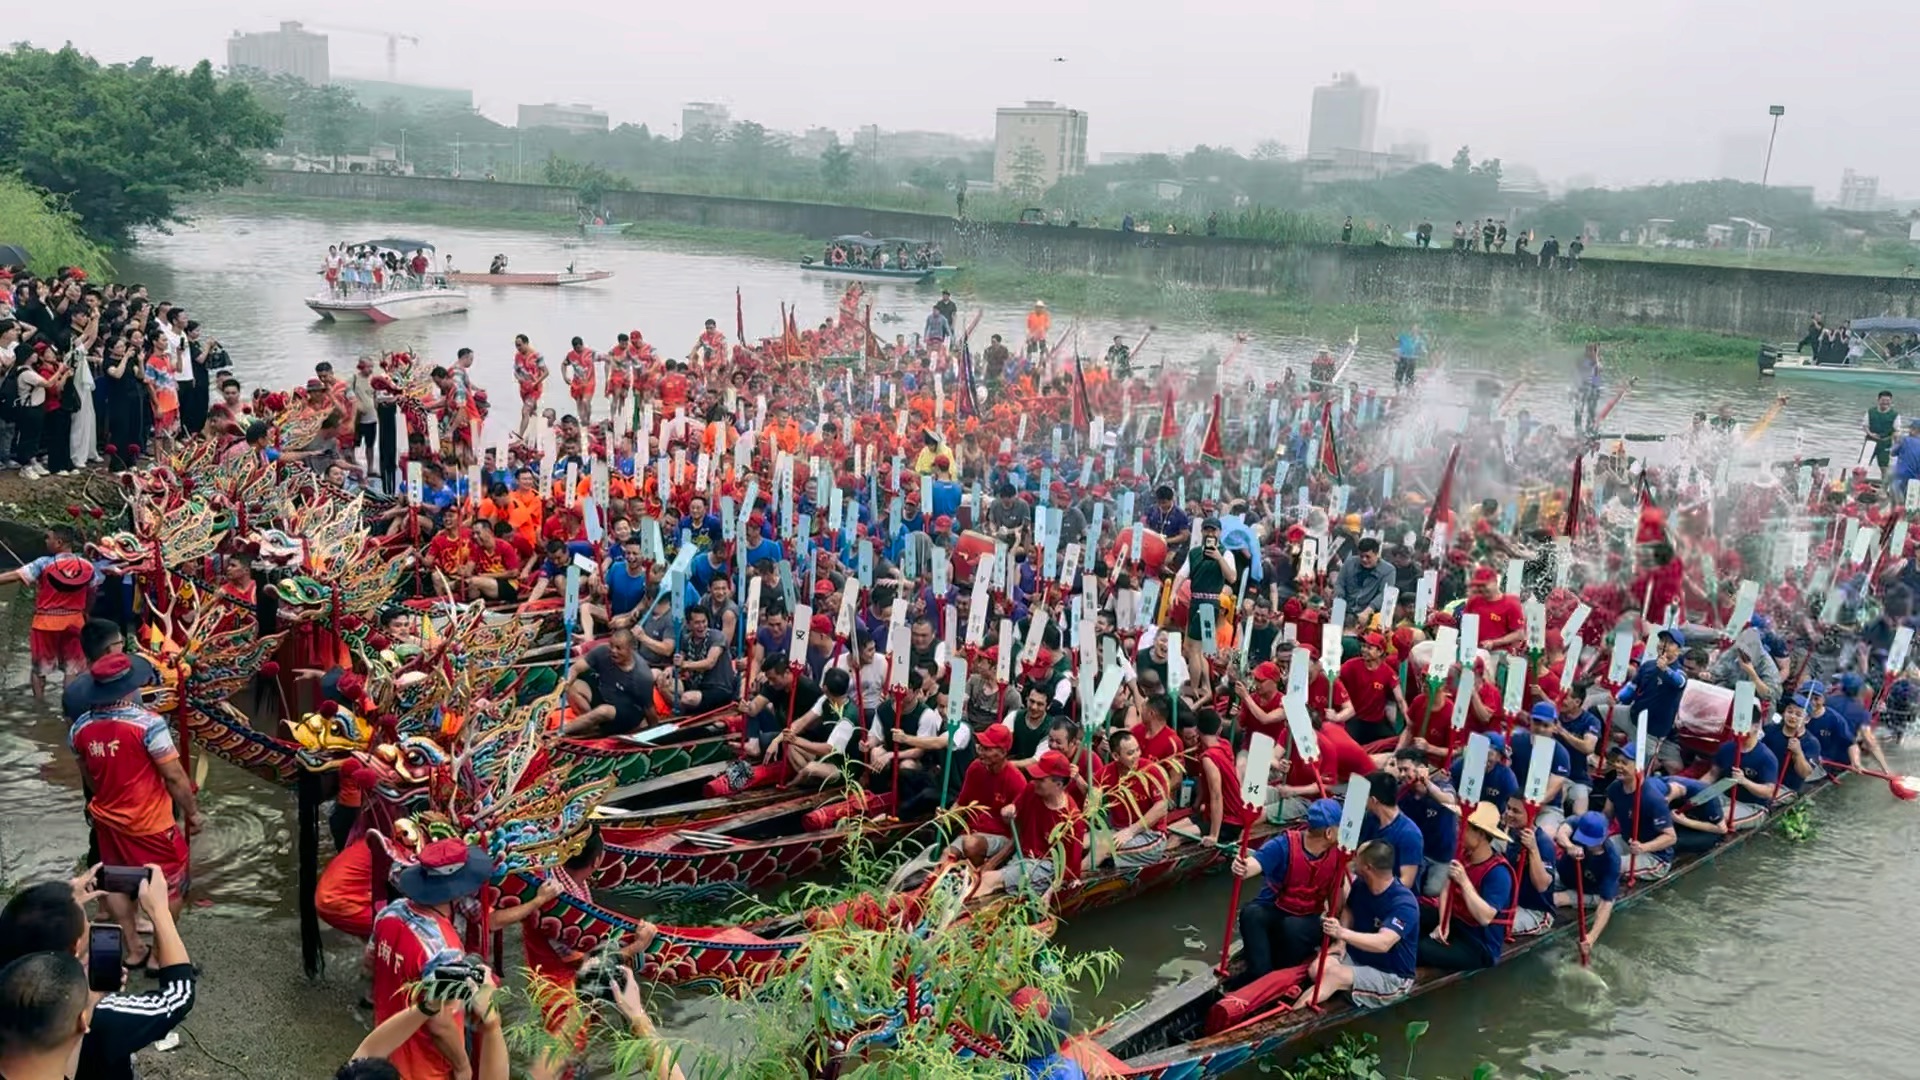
[(105, 947), (125, 880)]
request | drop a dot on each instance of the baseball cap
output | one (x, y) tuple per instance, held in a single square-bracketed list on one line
[(1267, 669), (1484, 575), (1590, 829), (1051, 763), (1815, 686), (996, 737), (1675, 635), (1544, 712), (821, 624), (1211, 523), (1496, 742), (1323, 814), (1374, 639)]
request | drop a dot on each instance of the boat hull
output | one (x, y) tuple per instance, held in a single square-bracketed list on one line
[(867, 273), (1127, 1050), (1800, 367), (557, 278), (382, 308), (630, 763), (605, 229)]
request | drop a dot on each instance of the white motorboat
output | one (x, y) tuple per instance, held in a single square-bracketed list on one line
[(390, 298)]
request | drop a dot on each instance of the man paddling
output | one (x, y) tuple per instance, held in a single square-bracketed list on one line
[(1375, 944), (1049, 833), (1479, 889), (1586, 855), (1637, 799), (1135, 792), (1281, 927), (1755, 772), (1796, 748)]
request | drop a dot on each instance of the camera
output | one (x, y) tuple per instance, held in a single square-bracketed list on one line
[(453, 980), (125, 880), (105, 946)]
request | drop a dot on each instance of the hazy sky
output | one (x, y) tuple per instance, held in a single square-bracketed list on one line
[(1625, 91)]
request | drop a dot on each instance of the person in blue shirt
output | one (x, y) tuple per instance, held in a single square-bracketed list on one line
[(701, 526), (1498, 784), (626, 585), (1376, 944), (706, 567), (1906, 460), (1655, 690), (1534, 858), (1586, 854), (1280, 927), (1754, 779), (1796, 748), (1436, 817), (1699, 814), (946, 490), (1412, 346), (1385, 822), (1543, 722), (1850, 709), (1482, 887), (1578, 729), (1651, 848)]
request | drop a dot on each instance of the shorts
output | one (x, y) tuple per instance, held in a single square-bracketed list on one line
[(1033, 875), (1196, 630), (166, 849), (1143, 850), (1881, 456), (1373, 988), (1528, 922), (166, 423), (618, 383), (365, 434), (509, 590), (52, 650)]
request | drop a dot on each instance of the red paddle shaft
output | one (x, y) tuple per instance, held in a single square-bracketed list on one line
[(1233, 906)]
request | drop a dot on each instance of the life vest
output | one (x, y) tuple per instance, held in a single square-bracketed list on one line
[(1477, 874), (1309, 881), (63, 593)]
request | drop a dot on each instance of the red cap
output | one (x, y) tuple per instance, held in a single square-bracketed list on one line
[(1313, 651), (1374, 640), (943, 522), (942, 462), (1050, 763), (1484, 575), (1268, 670), (996, 737), (821, 624), (1058, 488)]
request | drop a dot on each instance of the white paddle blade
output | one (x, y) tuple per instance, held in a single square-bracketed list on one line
[(1742, 707), (1621, 659), (1253, 787), (1462, 698), (1469, 636), (1575, 621), (1539, 769), (1306, 741), (1354, 814), (1902, 645), (1473, 768)]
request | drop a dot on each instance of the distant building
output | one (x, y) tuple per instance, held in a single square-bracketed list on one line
[(1344, 115), (1340, 166), (1058, 135), (577, 119), (1414, 150), (813, 142), (705, 116), (1858, 192), (289, 50), (373, 93)]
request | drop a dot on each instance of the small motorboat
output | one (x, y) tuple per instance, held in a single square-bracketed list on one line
[(401, 296), (562, 277)]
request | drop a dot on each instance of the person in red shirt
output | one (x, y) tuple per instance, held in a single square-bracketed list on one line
[(556, 962), (1503, 625), (674, 387), (989, 787), (1049, 834), (414, 935), (1372, 684), (1218, 806), (494, 566), (1326, 698), (449, 552), (138, 785), (578, 367), (1158, 741), (1134, 793), (1261, 705), (530, 372)]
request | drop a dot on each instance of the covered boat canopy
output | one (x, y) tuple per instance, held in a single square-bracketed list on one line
[(860, 241), (1884, 324), (396, 244)]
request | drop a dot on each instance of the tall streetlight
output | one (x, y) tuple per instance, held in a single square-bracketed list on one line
[(1776, 111)]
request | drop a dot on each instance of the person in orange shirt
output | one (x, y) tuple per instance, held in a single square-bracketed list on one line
[(1039, 322), (526, 511), (579, 367)]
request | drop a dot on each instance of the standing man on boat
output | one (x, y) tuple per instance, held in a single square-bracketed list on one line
[(1039, 323), (1881, 423), (938, 328), (1376, 938), (1281, 927), (1655, 690), (530, 372), (1119, 360), (579, 368)]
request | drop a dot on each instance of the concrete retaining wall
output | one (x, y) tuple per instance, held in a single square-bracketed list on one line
[(1762, 304)]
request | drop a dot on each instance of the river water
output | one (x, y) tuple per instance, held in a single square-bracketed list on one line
[(1780, 960)]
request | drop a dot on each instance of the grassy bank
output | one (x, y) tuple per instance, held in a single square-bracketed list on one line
[(51, 235)]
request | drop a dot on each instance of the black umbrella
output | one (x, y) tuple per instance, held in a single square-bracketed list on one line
[(12, 255)]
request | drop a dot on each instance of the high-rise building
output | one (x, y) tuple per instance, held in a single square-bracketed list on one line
[(572, 118), (705, 116), (1036, 144), (1344, 114), (289, 50), (1859, 192)]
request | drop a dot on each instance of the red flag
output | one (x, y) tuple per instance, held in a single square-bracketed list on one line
[(1572, 525), (1443, 495), (739, 318), (1168, 432), (1329, 452), (1210, 444)]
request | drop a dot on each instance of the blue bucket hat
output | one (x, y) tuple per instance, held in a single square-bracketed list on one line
[(1323, 814), (1590, 829)]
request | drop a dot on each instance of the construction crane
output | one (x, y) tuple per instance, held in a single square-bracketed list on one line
[(393, 44)]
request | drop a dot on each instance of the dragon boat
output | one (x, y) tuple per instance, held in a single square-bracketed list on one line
[(1188, 1031)]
